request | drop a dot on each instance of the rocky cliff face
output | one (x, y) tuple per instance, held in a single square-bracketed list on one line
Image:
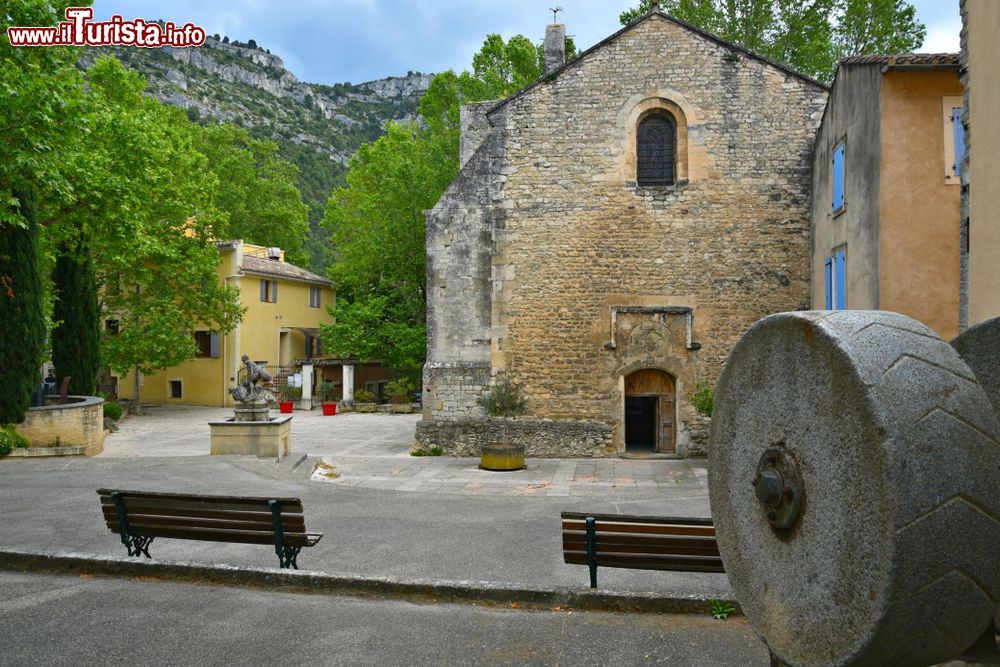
[(317, 127), (252, 87)]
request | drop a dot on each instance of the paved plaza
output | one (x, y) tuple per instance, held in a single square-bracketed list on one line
[(373, 451)]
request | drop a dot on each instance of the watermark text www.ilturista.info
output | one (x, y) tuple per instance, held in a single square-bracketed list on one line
[(79, 30)]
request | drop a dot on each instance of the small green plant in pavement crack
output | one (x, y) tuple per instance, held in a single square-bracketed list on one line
[(721, 609)]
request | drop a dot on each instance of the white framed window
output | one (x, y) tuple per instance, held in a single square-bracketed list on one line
[(315, 297)]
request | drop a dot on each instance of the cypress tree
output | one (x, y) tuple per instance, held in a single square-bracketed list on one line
[(76, 335), (21, 315)]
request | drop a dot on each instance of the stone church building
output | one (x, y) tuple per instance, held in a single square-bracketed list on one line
[(614, 229)]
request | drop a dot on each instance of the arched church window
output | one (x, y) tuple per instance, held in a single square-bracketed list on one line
[(656, 150)]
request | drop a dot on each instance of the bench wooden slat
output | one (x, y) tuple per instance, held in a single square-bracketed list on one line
[(679, 541), (211, 517), (629, 518), (646, 563), (645, 549), (134, 521), (646, 528), (290, 505), (222, 535)]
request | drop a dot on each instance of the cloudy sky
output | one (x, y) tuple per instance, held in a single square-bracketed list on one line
[(330, 41)]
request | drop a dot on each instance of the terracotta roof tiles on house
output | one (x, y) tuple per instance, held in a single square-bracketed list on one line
[(906, 60), (271, 267)]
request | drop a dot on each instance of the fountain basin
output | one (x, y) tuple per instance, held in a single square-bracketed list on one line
[(267, 439)]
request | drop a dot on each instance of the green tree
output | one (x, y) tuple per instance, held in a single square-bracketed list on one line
[(257, 198), (41, 95), (808, 35), (150, 217), (878, 26), (76, 320), (376, 222), (20, 311)]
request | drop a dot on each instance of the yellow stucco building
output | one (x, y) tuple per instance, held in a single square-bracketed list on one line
[(887, 187), (285, 305)]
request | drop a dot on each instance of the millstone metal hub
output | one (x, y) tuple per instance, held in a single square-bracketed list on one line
[(778, 487), (853, 475)]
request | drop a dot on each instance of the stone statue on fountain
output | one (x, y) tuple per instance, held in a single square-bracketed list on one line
[(252, 395)]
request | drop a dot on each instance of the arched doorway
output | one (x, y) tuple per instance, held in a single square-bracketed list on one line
[(649, 411)]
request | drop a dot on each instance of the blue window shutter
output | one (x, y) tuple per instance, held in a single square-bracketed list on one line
[(958, 131), (839, 270), (838, 177), (274, 291), (829, 283), (214, 344), (263, 290)]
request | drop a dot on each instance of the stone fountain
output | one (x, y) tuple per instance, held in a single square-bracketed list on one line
[(252, 430)]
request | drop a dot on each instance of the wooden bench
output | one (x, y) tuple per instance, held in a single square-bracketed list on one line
[(139, 517), (639, 542)]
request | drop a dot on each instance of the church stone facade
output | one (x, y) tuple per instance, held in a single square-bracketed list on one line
[(614, 229)]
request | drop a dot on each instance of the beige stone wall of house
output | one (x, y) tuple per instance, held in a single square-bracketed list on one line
[(983, 35), (579, 240), (918, 241), (851, 120)]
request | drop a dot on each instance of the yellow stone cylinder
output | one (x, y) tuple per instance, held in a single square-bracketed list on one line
[(502, 457)]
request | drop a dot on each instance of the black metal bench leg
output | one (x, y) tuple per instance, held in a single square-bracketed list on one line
[(592, 550), (287, 557), (137, 545)]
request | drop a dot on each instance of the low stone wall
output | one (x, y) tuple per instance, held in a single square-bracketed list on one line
[(77, 423), (540, 437)]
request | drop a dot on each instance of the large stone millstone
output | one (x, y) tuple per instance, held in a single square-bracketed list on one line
[(890, 448), (980, 349)]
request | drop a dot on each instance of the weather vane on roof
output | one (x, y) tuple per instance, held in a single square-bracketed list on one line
[(555, 12)]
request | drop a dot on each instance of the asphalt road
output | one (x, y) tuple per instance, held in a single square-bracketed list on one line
[(64, 620)]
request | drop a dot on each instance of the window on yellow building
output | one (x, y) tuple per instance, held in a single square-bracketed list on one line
[(314, 297), (176, 389), (269, 291), (207, 342)]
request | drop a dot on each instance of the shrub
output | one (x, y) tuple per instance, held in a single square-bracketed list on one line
[(290, 393), (11, 439), (703, 399), (112, 410), (400, 390), (328, 392), (420, 451), (364, 396), (505, 399)]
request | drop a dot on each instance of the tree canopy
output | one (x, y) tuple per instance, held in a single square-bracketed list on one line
[(809, 35), (377, 221), (134, 185)]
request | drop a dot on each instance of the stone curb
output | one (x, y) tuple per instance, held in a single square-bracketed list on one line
[(322, 583), (35, 452)]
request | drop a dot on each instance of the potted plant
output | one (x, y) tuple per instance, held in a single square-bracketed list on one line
[(505, 400), (400, 392), (327, 392), (289, 395), (364, 401)]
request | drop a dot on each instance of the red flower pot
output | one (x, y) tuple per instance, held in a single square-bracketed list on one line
[(329, 409), (286, 407)]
